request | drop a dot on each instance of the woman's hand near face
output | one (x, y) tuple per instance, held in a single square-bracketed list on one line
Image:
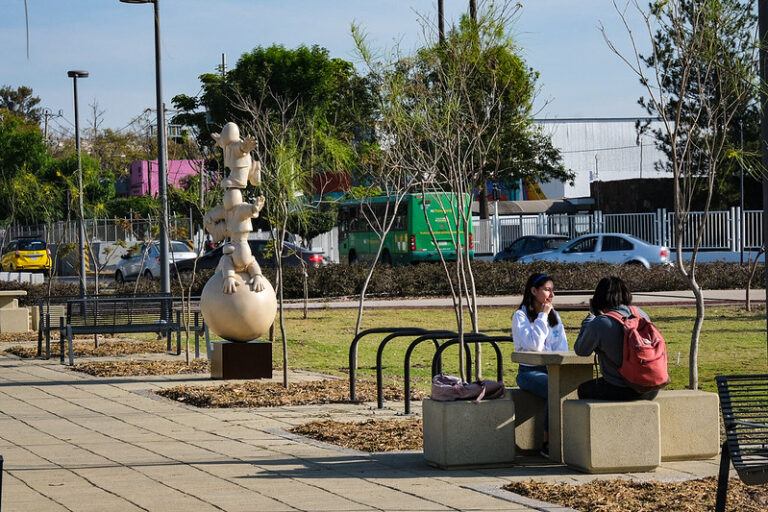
[(546, 308)]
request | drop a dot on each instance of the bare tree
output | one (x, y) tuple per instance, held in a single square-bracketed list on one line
[(700, 73)]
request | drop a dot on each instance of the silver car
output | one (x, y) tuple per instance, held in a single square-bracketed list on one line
[(144, 260), (605, 247)]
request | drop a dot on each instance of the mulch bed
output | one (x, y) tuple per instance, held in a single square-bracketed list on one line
[(269, 394), (630, 496), (87, 349), (138, 368), (371, 435)]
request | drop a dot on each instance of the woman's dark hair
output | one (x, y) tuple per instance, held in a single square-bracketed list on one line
[(536, 281), (610, 293)]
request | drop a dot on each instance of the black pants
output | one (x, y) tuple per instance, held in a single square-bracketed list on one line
[(600, 389)]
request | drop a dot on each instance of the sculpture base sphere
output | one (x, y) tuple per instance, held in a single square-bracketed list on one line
[(241, 316)]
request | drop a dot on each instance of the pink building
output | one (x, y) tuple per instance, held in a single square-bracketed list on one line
[(144, 176)]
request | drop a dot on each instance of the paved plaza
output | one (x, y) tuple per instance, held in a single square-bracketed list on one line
[(78, 443)]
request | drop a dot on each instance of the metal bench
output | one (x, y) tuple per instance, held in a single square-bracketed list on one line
[(111, 315), (744, 404)]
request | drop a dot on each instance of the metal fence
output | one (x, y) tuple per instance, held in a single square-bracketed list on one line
[(729, 230)]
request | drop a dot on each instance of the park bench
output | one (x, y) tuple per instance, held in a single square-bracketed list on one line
[(112, 315), (744, 404)]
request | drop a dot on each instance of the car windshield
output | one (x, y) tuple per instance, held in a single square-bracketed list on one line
[(555, 243), (31, 245), (180, 247)]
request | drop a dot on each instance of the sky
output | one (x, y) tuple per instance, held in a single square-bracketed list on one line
[(579, 76)]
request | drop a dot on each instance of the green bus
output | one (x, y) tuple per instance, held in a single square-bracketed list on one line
[(409, 240)]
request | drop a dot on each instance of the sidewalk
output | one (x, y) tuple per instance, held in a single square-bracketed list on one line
[(563, 300), (80, 443)]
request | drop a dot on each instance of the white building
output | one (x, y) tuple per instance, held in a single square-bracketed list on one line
[(601, 149)]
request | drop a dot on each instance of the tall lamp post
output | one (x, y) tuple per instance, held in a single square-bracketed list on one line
[(74, 75), (165, 279)]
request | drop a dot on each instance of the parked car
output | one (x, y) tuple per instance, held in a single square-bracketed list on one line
[(605, 247), (530, 244), (27, 254), (135, 263), (292, 256)]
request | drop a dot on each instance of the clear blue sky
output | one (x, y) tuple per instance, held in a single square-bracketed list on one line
[(114, 41)]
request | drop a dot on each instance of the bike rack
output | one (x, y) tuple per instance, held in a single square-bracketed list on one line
[(440, 333), (353, 350), (493, 340)]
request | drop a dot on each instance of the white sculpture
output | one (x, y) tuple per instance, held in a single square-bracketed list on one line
[(237, 303)]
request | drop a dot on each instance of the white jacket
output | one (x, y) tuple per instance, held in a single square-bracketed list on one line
[(537, 336)]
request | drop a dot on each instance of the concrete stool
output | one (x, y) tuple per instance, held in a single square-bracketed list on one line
[(466, 433), (12, 317), (690, 424), (529, 420), (611, 437)]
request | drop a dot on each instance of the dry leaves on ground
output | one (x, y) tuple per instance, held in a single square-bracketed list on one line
[(632, 496), (17, 337), (372, 435), (135, 368), (271, 394), (87, 348)]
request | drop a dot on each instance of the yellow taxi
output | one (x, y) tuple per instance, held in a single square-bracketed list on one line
[(29, 254)]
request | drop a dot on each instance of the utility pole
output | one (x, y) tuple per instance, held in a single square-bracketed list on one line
[(762, 17), (441, 21), (473, 10)]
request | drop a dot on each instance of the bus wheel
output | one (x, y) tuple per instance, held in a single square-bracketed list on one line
[(386, 258), (353, 257)]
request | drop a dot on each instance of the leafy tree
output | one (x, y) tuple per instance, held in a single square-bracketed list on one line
[(21, 102), (701, 78), (22, 152), (516, 148)]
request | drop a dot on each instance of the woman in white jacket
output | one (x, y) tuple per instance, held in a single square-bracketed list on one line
[(537, 327)]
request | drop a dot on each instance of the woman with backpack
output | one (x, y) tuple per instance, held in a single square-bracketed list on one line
[(603, 332), (537, 327)]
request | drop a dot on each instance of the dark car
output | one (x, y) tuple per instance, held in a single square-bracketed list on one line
[(292, 256), (530, 244)]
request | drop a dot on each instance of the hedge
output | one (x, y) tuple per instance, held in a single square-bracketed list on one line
[(429, 279)]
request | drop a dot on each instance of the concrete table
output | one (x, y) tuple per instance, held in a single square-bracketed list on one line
[(566, 371), (12, 317)]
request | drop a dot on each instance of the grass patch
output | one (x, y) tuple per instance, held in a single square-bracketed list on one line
[(732, 341)]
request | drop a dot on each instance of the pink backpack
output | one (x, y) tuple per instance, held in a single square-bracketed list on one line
[(644, 363), (446, 388)]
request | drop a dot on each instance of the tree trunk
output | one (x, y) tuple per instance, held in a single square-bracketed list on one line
[(693, 358)]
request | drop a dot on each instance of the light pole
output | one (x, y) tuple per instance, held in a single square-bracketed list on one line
[(165, 280), (74, 75)]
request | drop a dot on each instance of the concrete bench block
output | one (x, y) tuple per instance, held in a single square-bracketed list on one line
[(690, 424), (467, 433), (610, 437), (529, 420), (14, 320)]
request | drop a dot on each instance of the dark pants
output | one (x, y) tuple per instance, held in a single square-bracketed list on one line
[(600, 389)]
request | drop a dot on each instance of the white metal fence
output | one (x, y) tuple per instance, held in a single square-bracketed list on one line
[(729, 230), (723, 230)]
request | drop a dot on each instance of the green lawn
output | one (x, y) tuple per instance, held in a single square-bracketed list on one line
[(733, 341)]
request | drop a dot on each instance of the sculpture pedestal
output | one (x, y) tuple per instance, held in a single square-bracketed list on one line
[(241, 360)]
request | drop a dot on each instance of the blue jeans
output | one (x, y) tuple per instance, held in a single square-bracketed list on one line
[(535, 379)]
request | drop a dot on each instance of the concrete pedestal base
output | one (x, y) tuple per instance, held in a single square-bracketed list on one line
[(241, 360), (529, 420), (611, 437), (14, 320), (468, 433)]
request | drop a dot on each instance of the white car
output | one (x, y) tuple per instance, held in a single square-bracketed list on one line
[(605, 247), (135, 263)]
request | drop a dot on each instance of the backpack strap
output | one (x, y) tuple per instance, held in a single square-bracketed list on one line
[(619, 318)]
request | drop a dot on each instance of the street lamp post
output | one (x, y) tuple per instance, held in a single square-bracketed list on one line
[(165, 279), (74, 75)]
